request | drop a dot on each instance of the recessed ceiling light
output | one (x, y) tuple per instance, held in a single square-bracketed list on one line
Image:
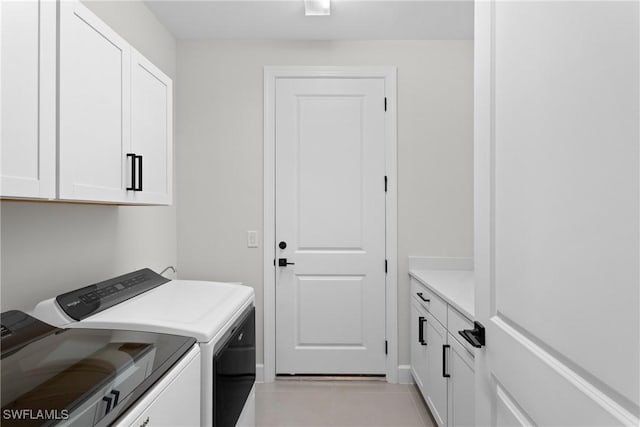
[(317, 7)]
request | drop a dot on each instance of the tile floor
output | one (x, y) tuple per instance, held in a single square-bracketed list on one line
[(295, 402)]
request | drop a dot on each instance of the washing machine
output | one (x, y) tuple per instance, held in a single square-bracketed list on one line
[(220, 316), (88, 377)]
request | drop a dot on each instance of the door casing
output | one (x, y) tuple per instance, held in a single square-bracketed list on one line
[(271, 74)]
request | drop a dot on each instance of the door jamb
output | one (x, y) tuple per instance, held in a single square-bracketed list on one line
[(271, 74)]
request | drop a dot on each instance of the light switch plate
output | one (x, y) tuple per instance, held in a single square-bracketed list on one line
[(252, 239)]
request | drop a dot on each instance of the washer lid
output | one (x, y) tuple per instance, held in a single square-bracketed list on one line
[(80, 377), (184, 307)]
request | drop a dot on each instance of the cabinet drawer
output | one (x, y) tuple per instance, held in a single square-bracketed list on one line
[(435, 305), (458, 322)]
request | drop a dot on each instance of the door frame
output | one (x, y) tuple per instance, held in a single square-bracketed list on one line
[(271, 75)]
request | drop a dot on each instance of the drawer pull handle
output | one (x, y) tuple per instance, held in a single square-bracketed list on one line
[(116, 396), (474, 336), (421, 323), (444, 361), (108, 400), (422, 297)]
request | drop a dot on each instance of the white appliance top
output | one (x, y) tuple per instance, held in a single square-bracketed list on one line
[(183, 307)]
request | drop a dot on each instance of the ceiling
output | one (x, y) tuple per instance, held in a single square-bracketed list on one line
[(285, 19)]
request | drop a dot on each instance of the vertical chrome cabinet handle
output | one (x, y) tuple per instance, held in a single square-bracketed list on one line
[(421, 322), (444, 361)]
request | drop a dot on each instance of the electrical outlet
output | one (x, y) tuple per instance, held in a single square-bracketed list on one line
[(252, 239)]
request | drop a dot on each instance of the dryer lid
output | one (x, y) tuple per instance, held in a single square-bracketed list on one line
[(184, 307)]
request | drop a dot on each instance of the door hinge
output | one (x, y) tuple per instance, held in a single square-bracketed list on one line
[(385, 265), (385, 183), (385, 103), (386, 347)]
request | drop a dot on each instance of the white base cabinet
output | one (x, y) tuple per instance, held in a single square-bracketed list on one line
[(460, 396), (418, 344), (441, 364), (173, 401), (436, 382)]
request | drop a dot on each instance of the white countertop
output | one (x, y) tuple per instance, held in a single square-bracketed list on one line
[(457, 287)]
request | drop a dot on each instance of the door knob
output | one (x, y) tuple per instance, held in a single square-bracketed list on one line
[(474, 336), (282, 245), (282, 262)]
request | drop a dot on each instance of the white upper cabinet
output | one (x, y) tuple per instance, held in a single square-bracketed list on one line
[(151, 132), (28, 88), (110, 122), (95, 78)]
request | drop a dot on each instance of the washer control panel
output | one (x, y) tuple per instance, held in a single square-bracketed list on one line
[(92, 299)]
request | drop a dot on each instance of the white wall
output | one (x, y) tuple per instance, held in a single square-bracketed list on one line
[(49, 248), (219, 155)]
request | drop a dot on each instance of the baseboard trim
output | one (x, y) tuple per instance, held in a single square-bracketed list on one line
[(259, 372), (404, 374)]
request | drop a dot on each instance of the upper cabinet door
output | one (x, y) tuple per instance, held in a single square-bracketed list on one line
[(95, 74), (151, 132), (28, 88)]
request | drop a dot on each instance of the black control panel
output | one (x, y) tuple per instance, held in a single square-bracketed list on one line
[(6, 331), (92, 299)]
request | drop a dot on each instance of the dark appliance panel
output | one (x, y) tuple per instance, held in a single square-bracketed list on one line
[(234, 370)]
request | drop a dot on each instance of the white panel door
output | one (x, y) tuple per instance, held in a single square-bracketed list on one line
[(28, 88), (557, 212), (151, 131), (330, 212), (95, 75)]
